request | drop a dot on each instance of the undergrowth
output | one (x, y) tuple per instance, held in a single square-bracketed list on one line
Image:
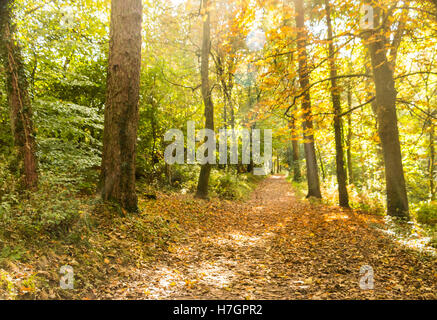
[(424, 214)]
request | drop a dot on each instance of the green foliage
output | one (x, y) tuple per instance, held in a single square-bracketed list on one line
[(69, 143), (5, 130), (232, 186), (68, 137), (9, 188), (68, 121), (66, 72), (7, 284), (188, 176), (159, 103), (299, 188), (427, 213), (54, 214), (50, 210), (12, 253)]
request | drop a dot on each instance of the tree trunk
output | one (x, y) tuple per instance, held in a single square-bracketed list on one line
[(349, 137), (18, 98), (322, 168), (310, 153), (121, 112), (205, 171), (297, 177), (225, 93), (251, 164), (336, 103), (432, 161), (434, 2), (397, 200)]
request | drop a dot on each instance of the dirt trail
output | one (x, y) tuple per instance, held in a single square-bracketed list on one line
[(274, 246)]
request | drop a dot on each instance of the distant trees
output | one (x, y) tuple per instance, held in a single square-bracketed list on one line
[(121, 110), (18, 97)]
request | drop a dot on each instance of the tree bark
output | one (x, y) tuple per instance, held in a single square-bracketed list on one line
[(432, 161), (322, 167), (434, 2), (397, 200), (349, 137), (310, 153), (297, 177), (121, 111), (18, 98), (251, 164), (205, 171), (336, 103)]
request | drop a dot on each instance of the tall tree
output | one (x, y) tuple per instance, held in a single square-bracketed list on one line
[(383, 77), (18, 97), (336, 103), (205, 171), (349, 136), (310, 152), (295, 161), (431, 166), (121, 110)]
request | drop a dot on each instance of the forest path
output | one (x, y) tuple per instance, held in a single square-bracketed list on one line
[(274, 246)]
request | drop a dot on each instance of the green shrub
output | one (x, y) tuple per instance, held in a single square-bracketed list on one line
[(12, 253), (188, 174), (52, 209), (426, 213), (232, 186), (9, 189)]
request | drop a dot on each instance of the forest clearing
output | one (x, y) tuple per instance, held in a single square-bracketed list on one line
[(218, 150)]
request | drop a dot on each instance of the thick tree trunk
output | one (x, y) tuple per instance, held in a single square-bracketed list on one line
[(336, 102), (121, 111), (205, 171), (18, 98), (310, 153), (397, 200)]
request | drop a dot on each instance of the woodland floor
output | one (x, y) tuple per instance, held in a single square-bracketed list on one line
[(271, 246), (274, 246)]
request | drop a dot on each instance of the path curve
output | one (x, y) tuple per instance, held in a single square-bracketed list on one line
[(274, 246)]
